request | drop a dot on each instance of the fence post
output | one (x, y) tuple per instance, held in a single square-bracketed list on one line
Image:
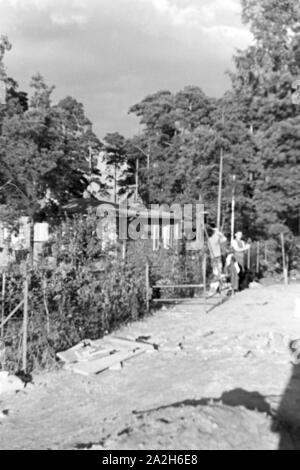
[(204, 265), (257, 256), (249, 258), (266, 253), (285, 273), (147, 288), (25, 324), (2, 303)]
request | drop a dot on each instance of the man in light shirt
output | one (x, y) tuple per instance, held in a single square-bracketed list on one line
[(240, 247)]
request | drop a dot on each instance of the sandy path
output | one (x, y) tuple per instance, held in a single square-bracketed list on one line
[(164, 399)]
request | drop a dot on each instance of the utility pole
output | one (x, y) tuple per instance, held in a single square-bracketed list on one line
[(284, 264), (148, 169), (219, 210), (220, 190), (136, 179), (115, 183), (233, 207)]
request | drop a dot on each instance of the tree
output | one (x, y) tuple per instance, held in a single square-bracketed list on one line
[(44, 152), (27, 153), (115, 158), (262, 96), (190, 153), (169, 143), (193, 108)]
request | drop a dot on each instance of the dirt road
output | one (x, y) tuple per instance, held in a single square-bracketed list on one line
[(219, 381)]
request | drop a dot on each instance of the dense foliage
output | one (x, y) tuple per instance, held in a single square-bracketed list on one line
[(44, 163), (44, 147), (81, 292), (256, 123)]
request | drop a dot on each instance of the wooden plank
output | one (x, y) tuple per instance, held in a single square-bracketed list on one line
[(187, 301), (126, 343), (76, 355), (86, 350), (178, 286), (132, 341), (181, 299), (100, 365), (97, 349)]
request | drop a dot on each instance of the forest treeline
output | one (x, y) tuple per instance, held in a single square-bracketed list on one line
[(44, 147)]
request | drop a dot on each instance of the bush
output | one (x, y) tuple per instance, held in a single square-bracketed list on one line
[(81, 292), (72, 301)]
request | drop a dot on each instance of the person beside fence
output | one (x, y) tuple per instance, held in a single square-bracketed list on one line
[(239, 250), (240, 247), (232, 269), (216, 240)]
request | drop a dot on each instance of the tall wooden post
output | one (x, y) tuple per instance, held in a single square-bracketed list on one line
[(2, 302), (219, 210), (285, 273), (233, 208), (266, 253), (136, 179), (220, 191), (115, 183), (257, 256), (204, 265), (147, 287), (25, 324), (148, 170), (249, 258)]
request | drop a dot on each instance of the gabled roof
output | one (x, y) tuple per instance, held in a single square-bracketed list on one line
[(80, 206)]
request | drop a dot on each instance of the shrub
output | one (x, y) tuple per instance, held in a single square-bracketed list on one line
[(81, 291)]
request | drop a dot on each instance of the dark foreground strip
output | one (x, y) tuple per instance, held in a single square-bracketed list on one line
[(140, 459)]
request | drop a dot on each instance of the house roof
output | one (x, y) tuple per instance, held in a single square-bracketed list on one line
[(80, 206)]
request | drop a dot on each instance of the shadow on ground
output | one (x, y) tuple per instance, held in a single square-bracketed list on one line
[(237, 397), (285, 421), (191, 428)]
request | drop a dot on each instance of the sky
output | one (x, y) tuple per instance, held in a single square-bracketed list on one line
[(110, 54)]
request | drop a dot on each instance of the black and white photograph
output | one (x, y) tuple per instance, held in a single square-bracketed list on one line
[(149, 228)]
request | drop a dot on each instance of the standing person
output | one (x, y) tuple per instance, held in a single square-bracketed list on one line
[(240, 247), (216, 240), (233, 270)]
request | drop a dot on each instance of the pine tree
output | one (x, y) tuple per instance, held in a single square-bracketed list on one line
[(262, 92)]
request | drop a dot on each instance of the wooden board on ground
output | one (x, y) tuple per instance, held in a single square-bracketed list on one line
[(100, 365), (128, 343), (85, 351)]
